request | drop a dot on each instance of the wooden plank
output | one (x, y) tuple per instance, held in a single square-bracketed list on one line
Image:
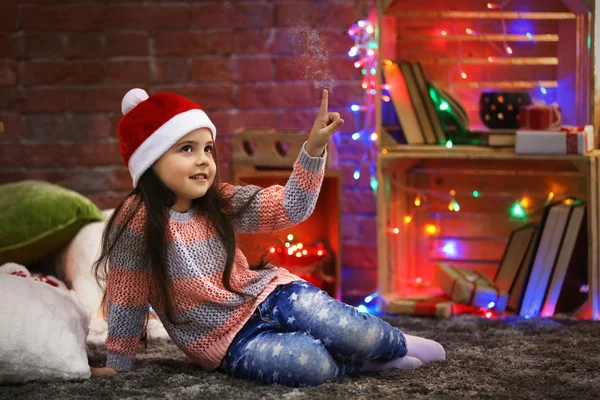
[(482, 37), (475, 5), (434, 27), (450, 249), (467, 224), (490, 72), (412, 50), (494, 15), (495, 60)]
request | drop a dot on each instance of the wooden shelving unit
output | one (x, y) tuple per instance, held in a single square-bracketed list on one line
[(408, 31)]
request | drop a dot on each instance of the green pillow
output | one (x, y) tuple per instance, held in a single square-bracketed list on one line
[(38, 218)]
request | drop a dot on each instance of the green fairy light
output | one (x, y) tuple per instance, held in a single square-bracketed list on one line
[(374, 183), (449, 144), (517, 211), (475, 193)]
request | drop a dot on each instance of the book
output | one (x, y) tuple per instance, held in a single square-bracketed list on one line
[(519, 242), (570, 271), (403, 104), (432, 114), (417, 102), (544, 259), (496, 137), (515, 294)]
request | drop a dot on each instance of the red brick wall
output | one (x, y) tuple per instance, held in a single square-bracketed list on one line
[(65, 65)]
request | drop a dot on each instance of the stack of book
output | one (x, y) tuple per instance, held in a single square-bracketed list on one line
[(544, 266), (423, 112)]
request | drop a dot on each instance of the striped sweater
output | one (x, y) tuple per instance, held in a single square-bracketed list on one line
[(211, 315)]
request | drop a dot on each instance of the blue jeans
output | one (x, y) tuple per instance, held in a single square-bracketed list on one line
[(300, 336)]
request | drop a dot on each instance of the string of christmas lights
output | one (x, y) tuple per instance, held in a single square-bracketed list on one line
[(365, 51), (504, 51)]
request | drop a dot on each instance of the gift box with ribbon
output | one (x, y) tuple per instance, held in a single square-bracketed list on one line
[(471, 288), (566, 140), (438, 306), (540, 116)]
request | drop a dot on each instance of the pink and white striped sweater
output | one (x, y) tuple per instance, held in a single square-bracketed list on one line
[(211, 314)]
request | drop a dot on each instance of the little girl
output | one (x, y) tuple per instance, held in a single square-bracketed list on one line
[(171, 244)]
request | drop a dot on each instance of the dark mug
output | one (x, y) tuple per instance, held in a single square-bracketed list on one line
[(500, 110)]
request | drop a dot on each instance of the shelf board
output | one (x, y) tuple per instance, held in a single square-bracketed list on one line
[(470, 152), (400, 14)]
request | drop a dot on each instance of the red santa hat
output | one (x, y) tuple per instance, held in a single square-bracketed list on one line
[(152, 125)]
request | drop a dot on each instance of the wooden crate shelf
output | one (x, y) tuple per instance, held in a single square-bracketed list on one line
[(265, 158), (408, 254)]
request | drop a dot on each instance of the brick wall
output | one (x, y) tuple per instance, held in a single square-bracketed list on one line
[(65, 65)]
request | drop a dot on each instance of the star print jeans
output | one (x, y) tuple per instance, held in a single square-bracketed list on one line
[(300, 336)]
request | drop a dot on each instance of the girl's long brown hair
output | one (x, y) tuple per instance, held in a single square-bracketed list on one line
[(158, 199)]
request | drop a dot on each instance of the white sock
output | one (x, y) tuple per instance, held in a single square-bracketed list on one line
[(400, 363), (424, 349)]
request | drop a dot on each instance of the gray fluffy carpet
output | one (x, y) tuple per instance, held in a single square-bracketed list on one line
[(495, 359)]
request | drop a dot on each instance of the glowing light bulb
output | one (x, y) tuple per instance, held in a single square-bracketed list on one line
[(509, 50), (374, 184), (517, 211), (364, 85), (543, 90), (525, 202), (449, 144), (320, 252), (290, 237), (431, 229), (290, 252), (407, 219), (356, 136), (463, 75), (490, 59), (444, 33), (373, 136), (371, 52), (444, 106), (369, 29), (304, 252), (298, 254), (417, 201), (356, 174), (386, 98), (550, 196), (488, 314), (452, 192), (419, 280), (272, 249), (300, 245), (355, 107), (396, 231), (357, 64)]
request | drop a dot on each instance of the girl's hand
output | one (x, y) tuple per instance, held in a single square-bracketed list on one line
[(104, 371), (325, 125)]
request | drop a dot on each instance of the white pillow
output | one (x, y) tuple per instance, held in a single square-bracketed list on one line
[(74, 264), (43, 332)]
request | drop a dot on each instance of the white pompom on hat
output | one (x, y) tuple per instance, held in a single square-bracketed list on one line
[(151, 125)]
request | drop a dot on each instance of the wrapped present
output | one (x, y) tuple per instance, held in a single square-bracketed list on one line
[(439, 306), (540, 116), (471, 288), (566, 140)]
